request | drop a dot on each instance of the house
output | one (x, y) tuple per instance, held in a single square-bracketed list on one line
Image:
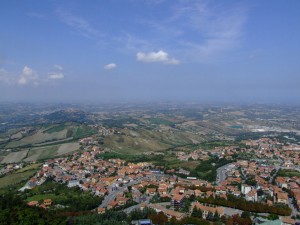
[(47, 202), (112, 205), (198, 193), (220, 190), (288, 221), (207, 209), (245, 189), (33, 203), (151, 191), (297, 198), (162, 191), (101, 210), (281, 182), (282, 197), (121, 201), (177, 201), (73, 183), (169, 213), (102, 192), (251, 196)]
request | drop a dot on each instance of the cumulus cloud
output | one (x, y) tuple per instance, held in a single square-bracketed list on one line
[(110, 66), (56, 75), (160, 56), (58, 67), (28, 76)]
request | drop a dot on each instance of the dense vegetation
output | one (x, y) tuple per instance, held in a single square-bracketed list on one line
[(57, 128), (83, 131), (111, 217), (13, 211), (119, 122), (71, 199), (288, 173), (207, 170), (240, 203)]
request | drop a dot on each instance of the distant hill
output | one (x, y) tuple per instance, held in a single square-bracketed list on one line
[(63, 116)]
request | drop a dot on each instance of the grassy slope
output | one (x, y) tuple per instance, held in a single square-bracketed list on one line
[(39, 137), (15, 156), (148, 140), (19, 176)]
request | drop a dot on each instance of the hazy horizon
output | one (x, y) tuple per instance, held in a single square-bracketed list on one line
[(150, 51)]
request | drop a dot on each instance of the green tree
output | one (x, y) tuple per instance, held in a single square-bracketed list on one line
[(245, 214), (216, 217), (196, 212)]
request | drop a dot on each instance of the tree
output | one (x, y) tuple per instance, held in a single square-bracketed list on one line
[(210, 216), (216, 217), (186, 205), (193, 220), (159, 218), (197, 212), (273, 217), (245, 214)]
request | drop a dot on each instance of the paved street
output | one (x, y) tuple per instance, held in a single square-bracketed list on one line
[(112, 195), (291, 205), (221, 172)]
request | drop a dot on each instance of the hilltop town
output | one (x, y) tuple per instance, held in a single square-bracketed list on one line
[(200, 165), (266, 184)]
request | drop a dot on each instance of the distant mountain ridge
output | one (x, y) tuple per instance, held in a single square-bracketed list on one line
[(68, 115)]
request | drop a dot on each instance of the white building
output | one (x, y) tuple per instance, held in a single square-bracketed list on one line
[(245, 189)]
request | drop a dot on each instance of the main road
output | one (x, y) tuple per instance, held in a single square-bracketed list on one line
[(113, 194), (222, 172)]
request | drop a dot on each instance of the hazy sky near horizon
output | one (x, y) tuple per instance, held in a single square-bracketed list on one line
[(150, 50)]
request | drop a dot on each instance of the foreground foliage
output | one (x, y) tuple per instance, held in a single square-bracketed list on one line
[(239, 203), (13, 211), (72, 199)]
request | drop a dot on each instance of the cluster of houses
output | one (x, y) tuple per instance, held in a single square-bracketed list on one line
[(9, 168), (139, 182), (201, 154), (45, 204)]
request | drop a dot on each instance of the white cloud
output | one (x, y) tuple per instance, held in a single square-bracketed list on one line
[(79, 24), (217, 29), (58, 67), (159, 56), (56, 75), (110, 66), (28, 76), (196, 30)]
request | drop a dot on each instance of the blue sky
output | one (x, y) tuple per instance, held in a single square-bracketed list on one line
[(143, 50)]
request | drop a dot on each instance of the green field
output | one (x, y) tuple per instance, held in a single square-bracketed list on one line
[(288, 173), (161, 121), (46, 142), (34, 166), (143, 140), (83, 131), (39, 153), (39, 137), (16, 178), (73, 199), (15, 156), (41, 197), (51, 151), (54, 129), (67, 148)]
